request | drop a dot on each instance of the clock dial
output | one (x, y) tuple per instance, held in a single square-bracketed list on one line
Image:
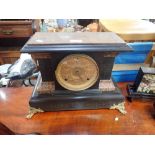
[(77, 72)]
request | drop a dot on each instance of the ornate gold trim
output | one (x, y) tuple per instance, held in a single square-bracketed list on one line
[(120, 107), (33, 111), (78, 69)]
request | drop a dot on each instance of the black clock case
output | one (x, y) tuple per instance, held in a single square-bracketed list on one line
[(62, 99)]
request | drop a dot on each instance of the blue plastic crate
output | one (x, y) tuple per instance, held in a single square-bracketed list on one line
[(138, 55), (124, 76)]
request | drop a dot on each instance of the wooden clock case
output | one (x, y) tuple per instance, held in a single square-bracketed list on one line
[(51, 48)]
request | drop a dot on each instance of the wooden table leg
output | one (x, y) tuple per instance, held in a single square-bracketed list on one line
[(149, 59)]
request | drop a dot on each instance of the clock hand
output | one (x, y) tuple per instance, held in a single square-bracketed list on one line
[(79, 75)]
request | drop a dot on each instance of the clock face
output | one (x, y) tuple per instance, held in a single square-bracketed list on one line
[(77, 72)]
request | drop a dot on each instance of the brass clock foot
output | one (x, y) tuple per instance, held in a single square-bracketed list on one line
[(120, 107), (33, 111)]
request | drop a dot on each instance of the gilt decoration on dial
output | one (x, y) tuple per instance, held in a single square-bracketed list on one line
[(77, 72)]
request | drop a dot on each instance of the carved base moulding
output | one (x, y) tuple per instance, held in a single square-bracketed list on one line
[(46, 98)]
